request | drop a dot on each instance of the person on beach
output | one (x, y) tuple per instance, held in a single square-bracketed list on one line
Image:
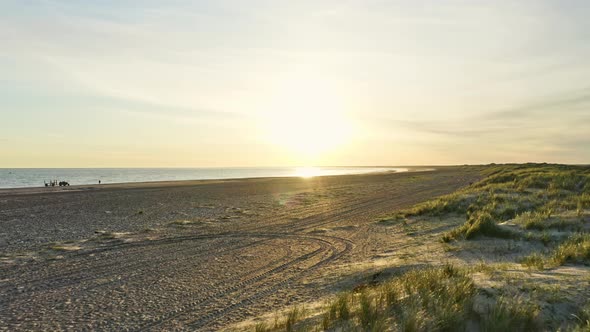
[(98, 181)]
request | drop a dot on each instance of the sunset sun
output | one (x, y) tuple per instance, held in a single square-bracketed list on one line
[(308, 121)]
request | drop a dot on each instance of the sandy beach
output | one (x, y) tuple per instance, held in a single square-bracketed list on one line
[(195, 255), (295, 166)]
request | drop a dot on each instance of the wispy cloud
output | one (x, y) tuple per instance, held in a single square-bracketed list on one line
[(561, 104), (549, 129), (147, 108), (456, 129)]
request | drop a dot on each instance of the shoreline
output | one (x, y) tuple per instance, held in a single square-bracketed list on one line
[(184, 183)]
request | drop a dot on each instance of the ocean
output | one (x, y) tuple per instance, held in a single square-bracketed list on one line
[(36, 177)]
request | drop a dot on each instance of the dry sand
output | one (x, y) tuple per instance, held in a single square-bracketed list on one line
[(196, 255)]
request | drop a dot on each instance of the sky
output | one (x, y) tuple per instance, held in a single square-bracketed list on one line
[(142, 83)]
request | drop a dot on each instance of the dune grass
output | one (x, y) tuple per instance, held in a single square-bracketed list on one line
[(423, 299), (288, 323), (575, 249), (479, 224), (444, 293), (534, 260), (511, 314), (533, 196), (533, 220), (583, 318)]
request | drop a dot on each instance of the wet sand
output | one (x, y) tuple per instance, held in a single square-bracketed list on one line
[(192, 255)]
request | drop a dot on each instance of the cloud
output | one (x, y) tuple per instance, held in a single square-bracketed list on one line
[(154, 109), (450, 128), (555, 104), (548, 129)]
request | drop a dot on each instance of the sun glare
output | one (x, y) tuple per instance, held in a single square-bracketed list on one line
[(308, 121), (307, 172)]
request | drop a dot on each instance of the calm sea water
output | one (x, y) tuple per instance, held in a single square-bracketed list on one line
[(35, 177)]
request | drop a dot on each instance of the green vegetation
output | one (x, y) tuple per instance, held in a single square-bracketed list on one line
[(534, 197), (338, 310), (481, 223), (548, 204), (576, 249), (512, 315), (583, 318), (419, 300), (535, 260), (428, 299), (521, 202), (292, 317), (533, 220)]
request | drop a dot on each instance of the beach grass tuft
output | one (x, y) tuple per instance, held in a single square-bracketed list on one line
[(445, 293), (512, 314), (575, 249)]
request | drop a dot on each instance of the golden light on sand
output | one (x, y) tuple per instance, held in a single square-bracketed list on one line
[(308, 120)]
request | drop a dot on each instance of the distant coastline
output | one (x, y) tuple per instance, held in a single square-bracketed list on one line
[(12, 178)]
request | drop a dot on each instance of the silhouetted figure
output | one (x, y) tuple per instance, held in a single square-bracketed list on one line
[(98, 181)]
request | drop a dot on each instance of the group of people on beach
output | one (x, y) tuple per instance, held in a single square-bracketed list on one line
[(54, 183)]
